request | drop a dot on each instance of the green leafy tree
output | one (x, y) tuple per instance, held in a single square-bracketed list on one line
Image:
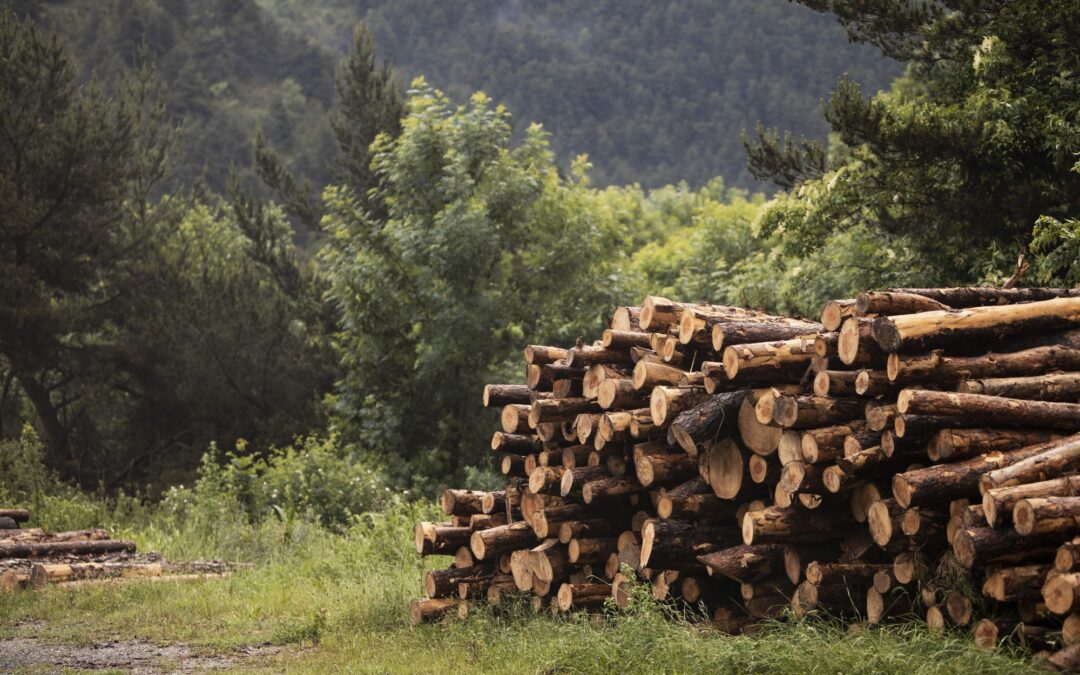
[(482, 245), (965, 152), (76, 170)]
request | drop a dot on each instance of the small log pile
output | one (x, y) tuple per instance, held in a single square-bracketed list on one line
[(911, 445), (32, 558)]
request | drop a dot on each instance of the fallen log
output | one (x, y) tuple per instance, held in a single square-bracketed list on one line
[(1056, 457), (1062, 387), (31, 549)]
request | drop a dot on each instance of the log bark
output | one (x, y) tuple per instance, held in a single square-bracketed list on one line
[(620, 393), (663, 468), (748, 331), (880, 417), (803, 412), (1007, 411), (614, 338), (517, 444), (610, 488), (825, 444), (675, 545), (444, 583), (492, 542), (794, 525), (746, 564), (591, 550), (715, 415), (1055, 458), (18, 515), (942, 483), (559, 410), (957, 444), (976, 296), (937, 368), (498, 395), (998, 503), (31, 549), (1047, 515), (583, 357), (782, 361), (462, 502), (1062, 387), (926, 329), (439, 538), (1012, 584), (802, 477), (582, 596), (978, 546), (889, 303), (540, 355)]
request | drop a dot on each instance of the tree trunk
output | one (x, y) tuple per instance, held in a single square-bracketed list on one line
[(498, 395), (725, 467), (1055, 458), (582, 596), (620, 393), (1008, 411), (497, 540), (44, 549), (540, 355), (976, 296), (662, 468), (1063, 387), (879, 417), (889, 303), (18, 515), (937, 368), (462, 502), (421, 611), (668, 544), (699, 426), (835, 311), (748, 331), (626, 319), (926, 329), (440, 538), (802, 412), (1012, 584), (827, 443), (560, 410), (1047, 515), (746, 564), (957, 444), (998, 503), (1061, 592), (666, 403), (517, 444), (979, 546), (775, 524), (613, 338), (856, 345), (609, 488), (942, 483), (444, 583), (770, 362)]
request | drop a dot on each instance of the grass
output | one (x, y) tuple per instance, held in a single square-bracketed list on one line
[(339, 601)]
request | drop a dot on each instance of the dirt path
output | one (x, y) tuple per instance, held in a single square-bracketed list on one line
[(134, 656)]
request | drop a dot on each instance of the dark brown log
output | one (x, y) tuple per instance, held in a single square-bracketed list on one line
[(1047, 515), (959, 608), (613, 338), (669, 544), (567, 388), (576, 456), (1012, 584), (943, 483), (852, 573), (7, 523), (783, 361), (661, 468), (835, 311), (616, 425), (775, 524), (594, 550), (609, 488), (572, 480), (874, 383), (862, 497), (746, 564), (696, 428), (803, 412), (976, 296), (43, 549), (498, 395), (923, 523), (18, 515), (880, 604), (1064, 387), (802, 477), (835, 479), (559, 410), (439, 538), (977, 546), (1067, 659), (462, 502), (889, 303), (697, 507), (1007, 411), (827, 443), (590, 528), (998, 503), (757, 330), (926, 329), (856, 443), (585, 356), (444, 583), (909, 566), (515, 443), (1055, 458), (957, 444), (834, 383), (492, 542), (582, 596), (937, 368)]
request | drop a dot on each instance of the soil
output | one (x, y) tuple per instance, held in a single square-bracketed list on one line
[(134, 656)]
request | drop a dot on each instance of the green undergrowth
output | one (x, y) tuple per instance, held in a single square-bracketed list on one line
[(335, 595)]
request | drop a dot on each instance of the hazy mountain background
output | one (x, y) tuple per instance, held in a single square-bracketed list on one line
[(653, 91)]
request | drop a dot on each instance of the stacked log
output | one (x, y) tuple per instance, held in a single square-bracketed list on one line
[(912, 444)]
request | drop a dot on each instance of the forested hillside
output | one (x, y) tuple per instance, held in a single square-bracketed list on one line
[(653, 92)]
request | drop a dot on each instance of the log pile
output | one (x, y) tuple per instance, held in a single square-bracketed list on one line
[(911, 445), (32, 558)]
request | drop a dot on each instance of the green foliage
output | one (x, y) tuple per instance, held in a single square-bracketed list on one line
[(483, 245), (965, 152)]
